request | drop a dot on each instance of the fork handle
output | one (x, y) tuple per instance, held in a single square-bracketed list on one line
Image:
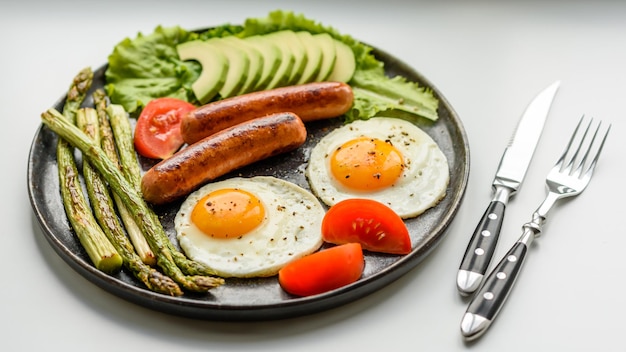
[(490, 298), (480, 248)]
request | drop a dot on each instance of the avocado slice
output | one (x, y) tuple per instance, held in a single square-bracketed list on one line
[(314, 57), (345, 63), (214, 68), (256, 62), (327, 46), (299, 52), (287, 60), (238, 66), (271, 59)]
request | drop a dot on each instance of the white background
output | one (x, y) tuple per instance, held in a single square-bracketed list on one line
[(488, 58)]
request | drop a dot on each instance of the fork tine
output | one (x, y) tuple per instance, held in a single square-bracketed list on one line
[(592, 166), (560, 162), (579, 169)]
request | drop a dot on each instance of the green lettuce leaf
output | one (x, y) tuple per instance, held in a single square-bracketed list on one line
[(148, 67), (374, 96)]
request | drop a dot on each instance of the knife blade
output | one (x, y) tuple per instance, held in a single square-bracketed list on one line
[(507, 181)]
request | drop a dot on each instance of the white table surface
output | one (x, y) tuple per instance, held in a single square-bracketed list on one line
[(488, 58)]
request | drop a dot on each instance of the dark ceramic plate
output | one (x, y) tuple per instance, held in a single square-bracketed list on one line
[(257, 299)]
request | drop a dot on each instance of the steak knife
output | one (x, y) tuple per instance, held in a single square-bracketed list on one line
[(508, 179)]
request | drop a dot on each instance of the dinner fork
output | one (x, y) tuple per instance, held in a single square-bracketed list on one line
[(569, 177)]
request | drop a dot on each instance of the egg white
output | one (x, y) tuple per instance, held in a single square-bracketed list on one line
[(424, 179), (290, 230)]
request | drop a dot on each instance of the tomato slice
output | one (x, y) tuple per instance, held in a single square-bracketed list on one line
[(157, 133), (323, 271), (372, 224)]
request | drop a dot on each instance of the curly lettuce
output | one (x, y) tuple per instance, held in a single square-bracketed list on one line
[(148, 67)]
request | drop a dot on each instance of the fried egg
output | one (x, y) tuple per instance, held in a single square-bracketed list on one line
[(386, 159), (249, 227)]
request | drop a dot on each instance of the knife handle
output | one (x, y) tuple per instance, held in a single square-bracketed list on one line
[(490, 298), (480, 248)]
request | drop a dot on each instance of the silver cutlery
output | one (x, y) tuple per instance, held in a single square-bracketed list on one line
[(508, 179), (568, 178)]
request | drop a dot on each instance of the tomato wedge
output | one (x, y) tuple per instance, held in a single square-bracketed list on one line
[(157, 133), (323, 271), (372, 224)]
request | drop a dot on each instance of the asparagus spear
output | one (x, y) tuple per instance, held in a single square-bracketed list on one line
[(94, 241), (103, 207), (145, 218), (122, 132), (107, 143)]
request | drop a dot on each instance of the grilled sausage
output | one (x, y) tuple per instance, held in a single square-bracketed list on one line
[(311, 101), (221, 153)]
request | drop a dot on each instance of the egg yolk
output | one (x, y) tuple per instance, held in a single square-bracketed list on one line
[(366, 164), (228, 213)]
